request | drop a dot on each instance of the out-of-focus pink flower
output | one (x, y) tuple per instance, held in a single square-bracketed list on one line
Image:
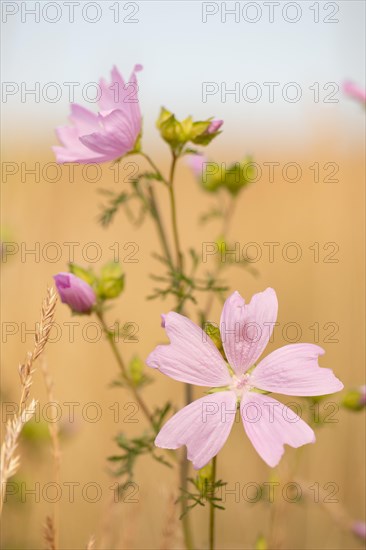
[(351, 89), (359, 529), (363, 395), (75, 292), (204, 425), (214, 126), (196, 162), (108, 135)]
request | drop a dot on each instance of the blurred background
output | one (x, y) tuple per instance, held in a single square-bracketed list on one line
[(182, 46)]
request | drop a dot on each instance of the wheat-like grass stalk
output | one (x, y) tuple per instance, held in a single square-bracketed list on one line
[(42, 334), (53, 429), (91, 543), (171, 524), (9, 462), (49, 534)]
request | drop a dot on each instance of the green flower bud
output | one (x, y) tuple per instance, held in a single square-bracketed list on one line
[(178, 133), (204, 478), (238, 175), (355, 400), (111, 282), (261, 543), (204, 132), (171, 130), (86, 275), (136, 369), (36, 431), (214, 333)]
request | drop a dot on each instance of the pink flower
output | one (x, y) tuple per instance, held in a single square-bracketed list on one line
[(363, 395), (196, 163), (359, 529), (75, 292), (354, 91), (214, 126), (108, 135), (204, 425)]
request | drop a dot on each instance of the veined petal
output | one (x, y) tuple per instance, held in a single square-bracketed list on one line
[(191, 357), (114, 138), (270, 425), (85, 121), (73, 150), (294, 370), (203, 426), (123, 96), (246, 328)]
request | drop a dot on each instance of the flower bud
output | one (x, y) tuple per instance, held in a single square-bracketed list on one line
[(238, 176), (214, 333), (207, 172), (204, 478), (215, 126), (355, 400), (204, 132), (261, 543), (178, 133), (136, 369), (111, 282), (75, 292)]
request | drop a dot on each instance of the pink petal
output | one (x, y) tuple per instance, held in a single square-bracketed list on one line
[(270, 425), (115, 137), (294, 370), (85, 121), (203, 426), (73, 150), (191, 357), (351, 89), (196, 163), (123, 96), (246, 329)]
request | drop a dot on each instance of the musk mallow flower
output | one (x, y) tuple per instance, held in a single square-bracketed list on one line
[(75, 292), (204, 425), (108, 135), (354, 91)]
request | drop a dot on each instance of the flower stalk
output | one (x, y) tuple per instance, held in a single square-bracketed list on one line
[(121, 364)]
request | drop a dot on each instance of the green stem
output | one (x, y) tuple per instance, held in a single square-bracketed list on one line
[(154, 167), (228, 216), (154, 209), (118, 356), (156, 215), (184, 471), (212, 508), (174, 214)]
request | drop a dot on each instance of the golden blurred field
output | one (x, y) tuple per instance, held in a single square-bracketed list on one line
[(309, 292)]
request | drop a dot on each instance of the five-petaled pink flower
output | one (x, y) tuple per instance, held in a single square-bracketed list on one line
[(204, 425), (108, 135)]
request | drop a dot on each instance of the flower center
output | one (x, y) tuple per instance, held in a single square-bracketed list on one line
[(241, 384)]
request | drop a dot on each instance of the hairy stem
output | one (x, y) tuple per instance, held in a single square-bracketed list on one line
[(159, 224), (118, 356), (184, 470), (228, 215), (174, 215)]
